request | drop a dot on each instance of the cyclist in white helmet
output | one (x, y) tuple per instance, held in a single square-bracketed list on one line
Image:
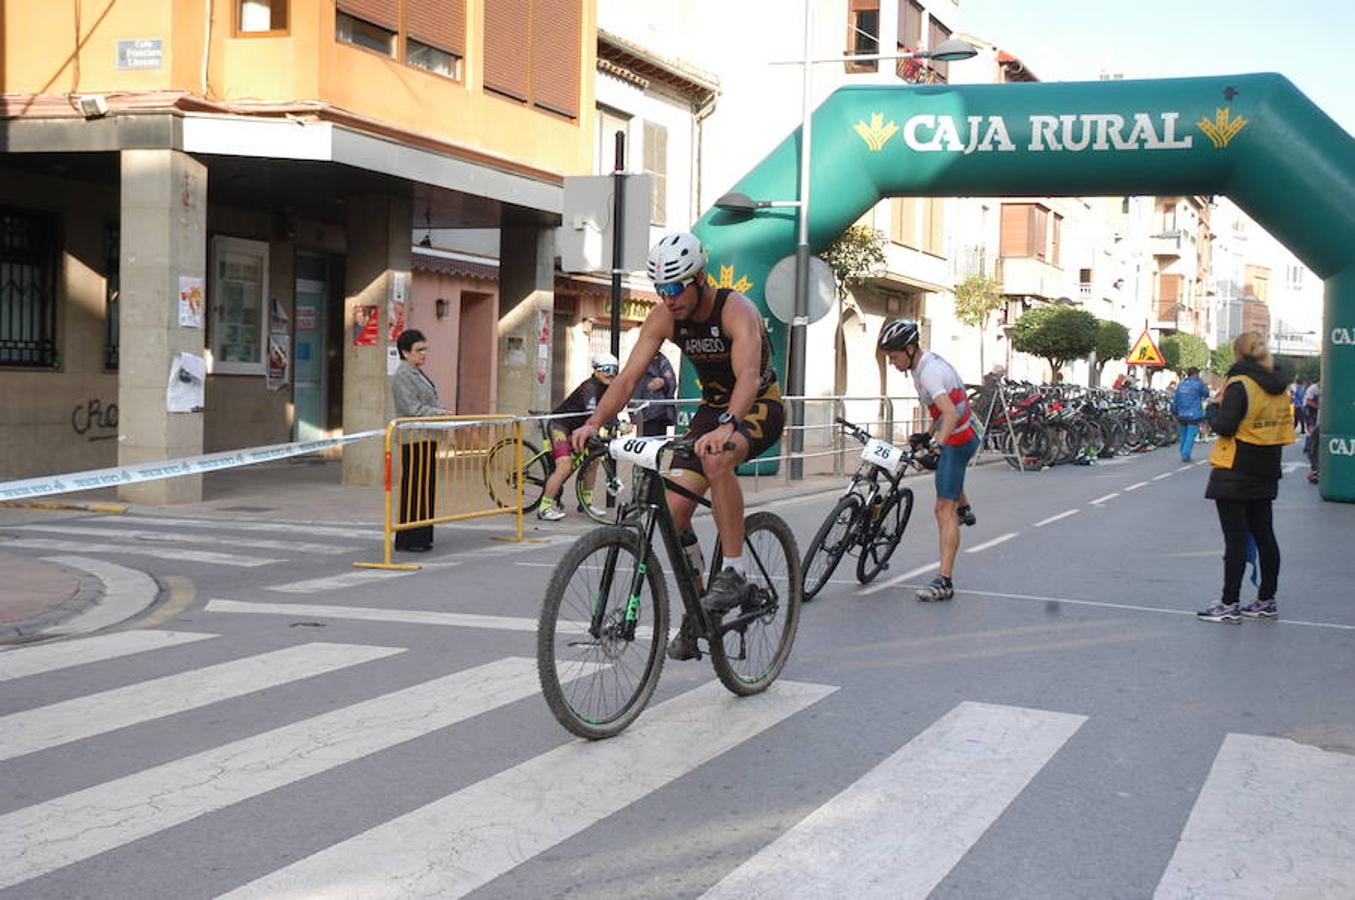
[(582, 400), (723, 335)]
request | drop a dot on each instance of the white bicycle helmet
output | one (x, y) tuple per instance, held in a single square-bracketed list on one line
[(676, 257), (605, 360)]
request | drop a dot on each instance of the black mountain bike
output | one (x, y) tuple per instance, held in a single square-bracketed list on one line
[(604, 621), (868, 520)]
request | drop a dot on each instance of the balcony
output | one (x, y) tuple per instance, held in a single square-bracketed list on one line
[(1030, 277), (1169, 243)]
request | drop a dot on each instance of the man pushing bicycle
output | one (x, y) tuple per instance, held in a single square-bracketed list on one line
[(723, 335)]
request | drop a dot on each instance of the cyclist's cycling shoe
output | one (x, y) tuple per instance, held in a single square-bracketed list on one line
[(937, 590), (683, 645), (966, 516), (552, 513), (727, 590)]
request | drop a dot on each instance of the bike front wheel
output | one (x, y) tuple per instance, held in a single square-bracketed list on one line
[(756, 637), (592, 502), (830, 544), (883, 534), (598, 661)]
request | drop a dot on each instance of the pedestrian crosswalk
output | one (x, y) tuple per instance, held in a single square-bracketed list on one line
[(1271, 817)]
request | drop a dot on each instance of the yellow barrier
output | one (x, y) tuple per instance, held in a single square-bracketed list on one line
[(448, 469)]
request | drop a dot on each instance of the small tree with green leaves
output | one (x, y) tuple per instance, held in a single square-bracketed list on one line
[(1221, 358), (1181, 351), (857, 254), (1112, 342), (1056, 333), (976, 299)]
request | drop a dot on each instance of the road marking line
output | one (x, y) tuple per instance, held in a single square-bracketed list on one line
[(898, 579), (454, 845), (899, 830), (163, 554), (1104, 499), (1272, 820), (1001, 539), (356, 532), (1136, 485), (25, 661), (126, 592), (38, 839), (338, 582), (1063, 515), (1162, 476), (169, 539), (376, 614), (93, 714)]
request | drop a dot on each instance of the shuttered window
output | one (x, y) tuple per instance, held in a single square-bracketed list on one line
[(533, 52), (385, 13), (910, 25), (437, 23), (863, 33), (656, 166), (1015, 238), (903, 221), (937, 34)]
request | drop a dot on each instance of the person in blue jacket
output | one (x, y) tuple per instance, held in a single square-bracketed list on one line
[(1188, 407)]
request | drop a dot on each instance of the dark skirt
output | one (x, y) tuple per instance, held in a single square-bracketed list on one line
[(418, 493)]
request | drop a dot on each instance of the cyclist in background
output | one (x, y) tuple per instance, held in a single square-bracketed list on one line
[(941, 390), (583, 400), (722, 334)]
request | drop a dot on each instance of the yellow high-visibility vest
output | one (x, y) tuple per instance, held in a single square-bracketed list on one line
[(1269, 422)]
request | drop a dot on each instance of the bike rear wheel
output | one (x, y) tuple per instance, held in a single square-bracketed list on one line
[(597, 679), (750, 655), (830, 544), (883, 535), (501, 473)]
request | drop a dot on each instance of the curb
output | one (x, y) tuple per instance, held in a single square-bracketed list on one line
[(87, 596), (91, 506)]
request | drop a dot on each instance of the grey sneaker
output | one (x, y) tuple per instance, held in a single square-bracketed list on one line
[(727, 590), (1261, 609), (1220, 612), (937, 590)]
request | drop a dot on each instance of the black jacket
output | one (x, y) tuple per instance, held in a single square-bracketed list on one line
[(1255, 474)]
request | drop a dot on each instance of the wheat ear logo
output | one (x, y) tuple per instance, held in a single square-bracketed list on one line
[(877, 133), (726, 280), (1223, 129)]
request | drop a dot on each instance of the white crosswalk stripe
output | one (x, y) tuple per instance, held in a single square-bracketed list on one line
[(26, 661), (39, 839), (897, 831), (354, 532), (455, 844), (171, 538), (360, 578), (166, 554), (83, 717)]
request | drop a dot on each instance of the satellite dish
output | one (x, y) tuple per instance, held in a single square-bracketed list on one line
[(780, 289)]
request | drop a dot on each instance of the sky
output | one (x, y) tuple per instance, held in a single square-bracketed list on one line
[(1307, 41)]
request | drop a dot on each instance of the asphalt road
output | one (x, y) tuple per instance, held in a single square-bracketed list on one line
[(284, 725)]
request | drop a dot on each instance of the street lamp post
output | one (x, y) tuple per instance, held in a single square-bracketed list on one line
[(952, 50)]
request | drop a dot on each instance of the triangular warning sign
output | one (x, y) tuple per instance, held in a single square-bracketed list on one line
[(1145, 352)]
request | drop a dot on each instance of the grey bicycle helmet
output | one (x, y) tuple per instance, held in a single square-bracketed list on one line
[(898, 335), (676, 257)]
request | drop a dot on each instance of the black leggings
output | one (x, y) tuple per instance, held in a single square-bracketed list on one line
[(1240, 518)]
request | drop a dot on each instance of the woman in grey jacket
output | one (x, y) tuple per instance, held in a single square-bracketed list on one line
[(415, 395)]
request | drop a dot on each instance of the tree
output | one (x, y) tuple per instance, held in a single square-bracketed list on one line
[(1221, 359), (976, 299), (1112, 342), (1182, 351), (857, 254), (1056, 333)]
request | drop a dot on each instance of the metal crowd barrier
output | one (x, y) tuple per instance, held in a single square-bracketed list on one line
[(449, 469)]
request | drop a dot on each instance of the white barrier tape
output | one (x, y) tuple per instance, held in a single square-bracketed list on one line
[(171, 468)]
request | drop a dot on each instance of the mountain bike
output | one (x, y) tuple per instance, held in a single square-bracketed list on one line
[(869, 519), (604, 620), (501, 474)]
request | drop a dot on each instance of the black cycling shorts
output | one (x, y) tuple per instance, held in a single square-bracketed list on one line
[(761, 428)]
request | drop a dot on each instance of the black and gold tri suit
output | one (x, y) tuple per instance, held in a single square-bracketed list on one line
[(709, 348)]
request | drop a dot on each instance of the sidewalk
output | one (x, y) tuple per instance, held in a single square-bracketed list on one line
[(36, 594)]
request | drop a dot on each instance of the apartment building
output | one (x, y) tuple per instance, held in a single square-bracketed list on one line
[(240, 181)]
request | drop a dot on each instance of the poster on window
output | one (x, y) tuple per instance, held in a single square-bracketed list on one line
[(279, 363), (278, 320), (395, 321), (192, 300), (366, 325)]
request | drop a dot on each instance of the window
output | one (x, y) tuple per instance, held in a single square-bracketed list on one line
[(609, 123), (910, 25), (422, 56), (112, 269), (920, 223), (533, 52), (262, 16), (365, 34), (937, 34), (1028, 232), (236, 295), (435, 35), (27, 289), (656, 166), (863, 34)]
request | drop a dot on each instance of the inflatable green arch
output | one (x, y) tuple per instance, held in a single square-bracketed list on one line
[(1253, 138)]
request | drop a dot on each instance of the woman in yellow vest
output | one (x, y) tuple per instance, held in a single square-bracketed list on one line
[(1254, 420)]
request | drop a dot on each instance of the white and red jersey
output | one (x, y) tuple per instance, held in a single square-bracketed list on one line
[(934, 377)]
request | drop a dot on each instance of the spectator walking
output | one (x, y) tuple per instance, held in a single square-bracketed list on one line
[(1188, 407), (1252, 421), (415, 395), (658, 383), (1296, 394)]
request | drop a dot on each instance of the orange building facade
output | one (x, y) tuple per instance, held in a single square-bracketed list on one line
[(240, 181)]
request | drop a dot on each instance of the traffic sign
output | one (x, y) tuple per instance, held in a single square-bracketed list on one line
[(1145, 352)]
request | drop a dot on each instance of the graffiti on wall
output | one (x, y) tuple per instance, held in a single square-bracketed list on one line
[(94, 420)]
